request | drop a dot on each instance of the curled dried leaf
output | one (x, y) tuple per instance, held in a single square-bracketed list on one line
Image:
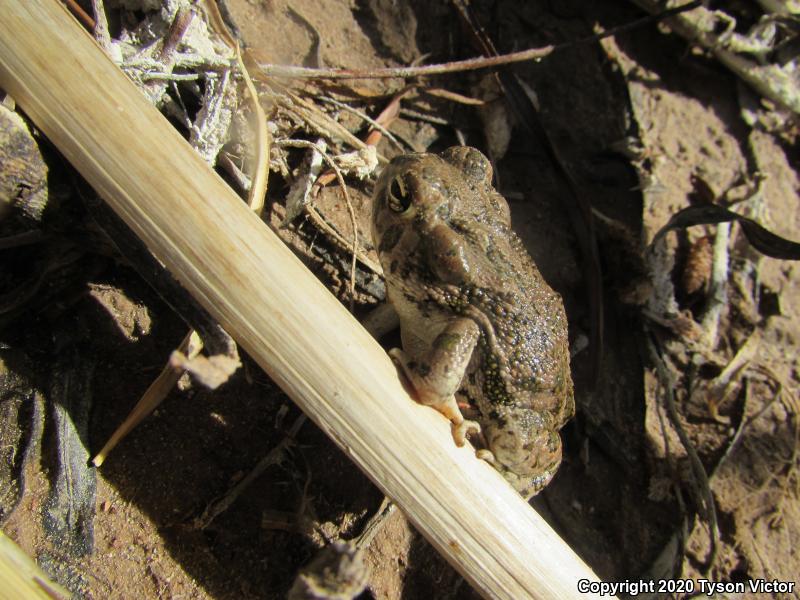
[(758, 236)]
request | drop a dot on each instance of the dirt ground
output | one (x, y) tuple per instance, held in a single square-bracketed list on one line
[(646, 125)]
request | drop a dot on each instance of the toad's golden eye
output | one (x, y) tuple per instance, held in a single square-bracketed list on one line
[(399, 196)]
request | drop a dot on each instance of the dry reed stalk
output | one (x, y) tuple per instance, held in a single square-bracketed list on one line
[(278, 311), (20, 577)]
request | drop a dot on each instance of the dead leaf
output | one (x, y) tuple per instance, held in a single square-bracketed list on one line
[(759, 237)]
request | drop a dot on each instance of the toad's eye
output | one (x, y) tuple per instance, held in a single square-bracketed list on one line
[(399, 196)]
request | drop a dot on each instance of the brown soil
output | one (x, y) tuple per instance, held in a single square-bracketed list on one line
[(625, 490)]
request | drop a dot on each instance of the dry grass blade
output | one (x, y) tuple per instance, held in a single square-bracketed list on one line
[(258, 188), (149, 401)]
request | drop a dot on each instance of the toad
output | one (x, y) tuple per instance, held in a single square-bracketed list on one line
[(477, 319)]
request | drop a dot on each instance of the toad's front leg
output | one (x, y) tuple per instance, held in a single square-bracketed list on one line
[(435, 375)]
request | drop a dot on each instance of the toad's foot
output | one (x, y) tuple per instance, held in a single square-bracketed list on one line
[(441, 400), (487, 456), (463, 429)]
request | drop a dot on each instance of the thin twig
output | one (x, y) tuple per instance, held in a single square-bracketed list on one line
[(340, 179), (275, 456), (338, 239), (375, 524), (681, 533), (319, 121), (746, 421), (737, 435), (77, 10), (421, 116), (160, 76), (698, 470), (177, 29), (453, 96), (362, 115), (721, 387), (469, 64)]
